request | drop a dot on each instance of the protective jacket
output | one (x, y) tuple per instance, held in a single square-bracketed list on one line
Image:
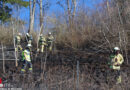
[(17, 39), (29, 39), (50, 39), (26, 55), (116, 62), (42, 40)]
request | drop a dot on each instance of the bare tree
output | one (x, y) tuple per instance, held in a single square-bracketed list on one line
[(69, 8), (43, 8), (69, 12), (32, 13), (74, 10), (41, 16), (122, 6)]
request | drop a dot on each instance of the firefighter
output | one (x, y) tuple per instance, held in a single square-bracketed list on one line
[(42, 43), (18, 42), (26, 58), (29, 39), (49, 41), (116, 62)]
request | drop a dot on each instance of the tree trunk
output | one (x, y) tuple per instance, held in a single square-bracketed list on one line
[(41, 17), (32, 13), (71, 9), (69, 13), (121, 6), (108, 7), (74, 11)]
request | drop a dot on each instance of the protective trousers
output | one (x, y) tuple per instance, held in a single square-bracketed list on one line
[(25, 64), (118, 76), (50, 46), (18, 47), (42, 48)]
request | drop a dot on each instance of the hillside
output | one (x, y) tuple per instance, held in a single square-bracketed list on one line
[(67, 70)]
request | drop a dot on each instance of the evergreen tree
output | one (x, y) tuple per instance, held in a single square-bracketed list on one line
[(5, 9)]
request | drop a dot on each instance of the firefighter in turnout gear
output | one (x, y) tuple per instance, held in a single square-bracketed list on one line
[(18, 42), (42, 43), (49, 41), (116, 62), (26, 58), (29, 39)]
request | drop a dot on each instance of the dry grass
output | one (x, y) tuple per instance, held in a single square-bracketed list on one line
[(63, 76), (6, 35)]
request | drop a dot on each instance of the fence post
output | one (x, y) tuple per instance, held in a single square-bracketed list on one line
[(16, 52), (77, 86), (3, 59)]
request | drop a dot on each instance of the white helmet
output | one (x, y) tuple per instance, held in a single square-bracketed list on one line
[(116, 48), (27, 34), (41, 34), (49, 33), (19, 34), (29, 45)]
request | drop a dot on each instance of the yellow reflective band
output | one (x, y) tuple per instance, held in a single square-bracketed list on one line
[(116, 67), (119, 79), (30, 68), (23, 70), (27, 55)]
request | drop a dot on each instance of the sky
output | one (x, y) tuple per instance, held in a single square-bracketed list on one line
[(23, 13)]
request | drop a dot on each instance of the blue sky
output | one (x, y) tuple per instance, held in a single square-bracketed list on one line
[(23, 13)]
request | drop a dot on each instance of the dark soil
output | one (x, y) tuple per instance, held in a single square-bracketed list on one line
[(60, 71)]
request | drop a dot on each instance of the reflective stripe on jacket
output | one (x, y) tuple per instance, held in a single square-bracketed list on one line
[(26, 55)]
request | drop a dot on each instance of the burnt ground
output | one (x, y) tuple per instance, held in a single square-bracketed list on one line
[(61, 71)]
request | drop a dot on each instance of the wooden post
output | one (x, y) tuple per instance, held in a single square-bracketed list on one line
[(44, 66), (3, 59), (16, 60), (77, 86)]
